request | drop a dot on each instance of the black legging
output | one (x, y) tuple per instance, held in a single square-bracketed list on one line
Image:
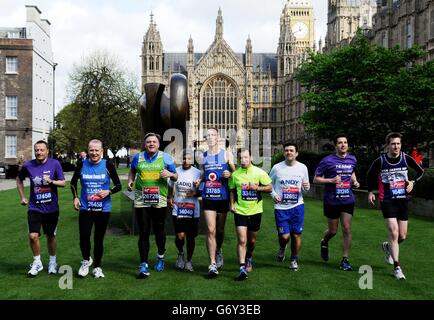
[(144, 218), (85, 221)]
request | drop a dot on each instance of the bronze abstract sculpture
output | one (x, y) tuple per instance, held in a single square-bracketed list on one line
[(158, 112)]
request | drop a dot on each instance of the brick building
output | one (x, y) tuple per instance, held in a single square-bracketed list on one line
[(26, 88)]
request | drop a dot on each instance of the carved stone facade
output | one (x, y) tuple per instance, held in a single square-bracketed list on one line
[(238, 91), (405, 23), (345, 17)]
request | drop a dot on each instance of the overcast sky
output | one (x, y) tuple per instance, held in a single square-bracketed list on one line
[(79, 27)]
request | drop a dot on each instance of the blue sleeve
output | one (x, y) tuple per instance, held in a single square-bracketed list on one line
[(135, 161), (169, 164)]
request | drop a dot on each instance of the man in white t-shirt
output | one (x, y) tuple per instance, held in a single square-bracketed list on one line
[(185, 209), (290, 178)]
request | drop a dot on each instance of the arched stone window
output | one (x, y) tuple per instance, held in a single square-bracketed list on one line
[(219, 104)]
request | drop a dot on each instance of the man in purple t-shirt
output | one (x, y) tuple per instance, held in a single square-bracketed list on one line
[(336, 172), (45, 176)]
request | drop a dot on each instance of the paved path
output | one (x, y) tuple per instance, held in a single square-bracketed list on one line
[(7, 184)]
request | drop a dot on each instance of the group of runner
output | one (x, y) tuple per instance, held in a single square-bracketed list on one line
[(158, 184)]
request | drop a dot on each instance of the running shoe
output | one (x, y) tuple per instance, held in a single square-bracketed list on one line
[(281, 254), (180, 264), (324, 250), (243, 274), (143, 270), (249, 264), (97, 273), (35, 268), (52, 267), (189, 266), (387, 256), (159, 267), (212, 271), (84, 268), (345, 265), (293, 265), (399, 275), (219, 259)]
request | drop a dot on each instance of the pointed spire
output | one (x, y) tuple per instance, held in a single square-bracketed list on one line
[(249, 43), (190, 44), (219, 26), (152, 34)]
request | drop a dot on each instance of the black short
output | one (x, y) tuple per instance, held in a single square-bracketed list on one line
[(253, 222), (332, 211), (219, 206), (47, 220), (395, 209), (187, 225)]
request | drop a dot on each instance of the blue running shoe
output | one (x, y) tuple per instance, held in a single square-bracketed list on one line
[(249, 264), (243, 274), (345, 265), (324, 251), (160, 265), (143, 270)]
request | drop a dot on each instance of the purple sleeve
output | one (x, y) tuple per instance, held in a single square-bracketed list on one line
[(320, 169), (59, 171), (24, 173)]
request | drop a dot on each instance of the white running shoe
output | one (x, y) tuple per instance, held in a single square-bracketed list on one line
[(180, 261), (399, 275), (387, 256), (97, 273), (84, 268), (189, 266), (219, 259), (293, 265), (35, 268), (52, 267), (212, 271)]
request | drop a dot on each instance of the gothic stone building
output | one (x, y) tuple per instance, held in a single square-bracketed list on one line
[(248, 90)]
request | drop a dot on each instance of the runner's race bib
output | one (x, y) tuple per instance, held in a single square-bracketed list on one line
[(343, 189), (290, 195), (151, 195), (185, 209), (43, 194), (397, 188), (94, 202), (213, 189), (247, 194)]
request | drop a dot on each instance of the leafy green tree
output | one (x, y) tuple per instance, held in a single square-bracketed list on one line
[(368, 91), (104, 106)]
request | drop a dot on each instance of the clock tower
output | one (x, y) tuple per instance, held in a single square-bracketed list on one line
[(302, 23)]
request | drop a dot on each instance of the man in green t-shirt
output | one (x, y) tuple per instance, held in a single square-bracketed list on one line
[(246, 185)]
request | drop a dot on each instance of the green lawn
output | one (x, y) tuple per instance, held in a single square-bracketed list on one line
[(269, 279)]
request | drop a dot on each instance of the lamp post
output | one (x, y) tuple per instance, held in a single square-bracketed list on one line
[(199, 87), (54, 107)]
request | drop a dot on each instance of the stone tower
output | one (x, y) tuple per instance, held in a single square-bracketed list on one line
[(152, 55)]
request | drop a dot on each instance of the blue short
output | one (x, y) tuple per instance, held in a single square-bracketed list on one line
[(290, 220)]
